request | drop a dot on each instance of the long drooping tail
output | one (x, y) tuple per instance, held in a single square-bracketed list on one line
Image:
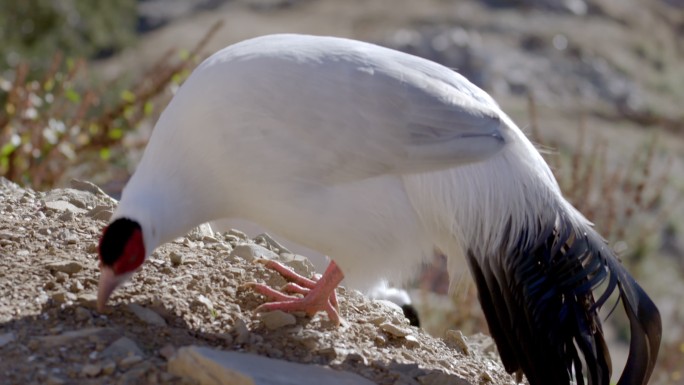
[(538, 298)]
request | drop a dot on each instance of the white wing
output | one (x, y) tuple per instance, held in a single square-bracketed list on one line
[(341, 110)]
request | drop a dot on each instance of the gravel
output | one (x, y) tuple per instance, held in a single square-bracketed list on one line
[(50, 331)]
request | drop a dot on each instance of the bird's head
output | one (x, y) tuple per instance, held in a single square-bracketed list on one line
[(122, 252)]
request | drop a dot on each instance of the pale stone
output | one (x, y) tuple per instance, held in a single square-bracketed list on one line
[(456, 339), (250, 251), (215, 367), (122, 347), (68, 267), (146, 315), (277, 319), (6, 338), (395, 330)]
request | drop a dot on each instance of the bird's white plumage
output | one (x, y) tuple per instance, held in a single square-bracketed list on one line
[(375, 157), (324, 143)]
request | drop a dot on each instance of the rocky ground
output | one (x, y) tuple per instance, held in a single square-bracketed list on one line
[(189, 293), (611, 66)]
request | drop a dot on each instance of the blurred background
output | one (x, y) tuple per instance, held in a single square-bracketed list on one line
[(597, 84)]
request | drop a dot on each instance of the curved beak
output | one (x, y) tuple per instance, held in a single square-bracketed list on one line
[(108, 283)]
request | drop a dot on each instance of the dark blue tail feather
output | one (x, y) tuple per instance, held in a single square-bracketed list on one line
[(538, 298)]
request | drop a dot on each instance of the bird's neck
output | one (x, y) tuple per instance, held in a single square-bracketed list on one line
[(164, 209)]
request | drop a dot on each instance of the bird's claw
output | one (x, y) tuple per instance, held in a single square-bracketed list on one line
[(311, 303)]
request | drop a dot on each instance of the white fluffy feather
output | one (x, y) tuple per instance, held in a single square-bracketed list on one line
[(326, 144)]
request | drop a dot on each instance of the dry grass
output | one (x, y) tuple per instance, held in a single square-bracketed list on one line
[(626, 202), (54, 122)]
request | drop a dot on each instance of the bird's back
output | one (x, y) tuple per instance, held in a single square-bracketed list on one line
[(310, 136)]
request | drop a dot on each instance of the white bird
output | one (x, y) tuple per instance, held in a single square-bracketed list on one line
[(374, 158)]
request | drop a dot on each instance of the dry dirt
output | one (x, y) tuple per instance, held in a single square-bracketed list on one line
[(189, 292)]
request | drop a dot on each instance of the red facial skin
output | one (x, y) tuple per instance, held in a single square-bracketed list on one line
[(133, 255), (111, 276)]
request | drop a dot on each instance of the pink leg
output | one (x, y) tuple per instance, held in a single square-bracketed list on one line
[(318, 295), (288, 273), (297, 279), (292, 287)]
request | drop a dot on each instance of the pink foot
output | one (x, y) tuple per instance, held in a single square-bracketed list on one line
[(318, 295)]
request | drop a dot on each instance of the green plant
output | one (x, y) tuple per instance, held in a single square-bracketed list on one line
[(625, 202), (38, 28), (54, 121)]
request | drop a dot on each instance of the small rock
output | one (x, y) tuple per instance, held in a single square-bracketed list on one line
[(61, 277), (68, 267), (250, 251), (6, 338), (205, 301), (391, 306), (61, 206), (54, 380), (23, 253), (167, 351), (381, 340), (329, 352), (66, 216), (122, 347), (88, 300), (82, 314), (299, 263), (129, 361), (440, 378), (91, 370), (63, 297), (232, 240), (356, 357), (75, 286), (166, 377), (84, 185), (192, 245), (236, 272), (34, 345), (456, 339), (108, 367), (42, 230), (485, 377), (238, 234), (412, 341), (92, 248), (272, 243), (100, 212), (241, 331), (176, 258), (137, 374), (8, 235), (276, 319), (146, 315), (79, 199), (395, 330), (214, 367), (65, 338), (201, 231)]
